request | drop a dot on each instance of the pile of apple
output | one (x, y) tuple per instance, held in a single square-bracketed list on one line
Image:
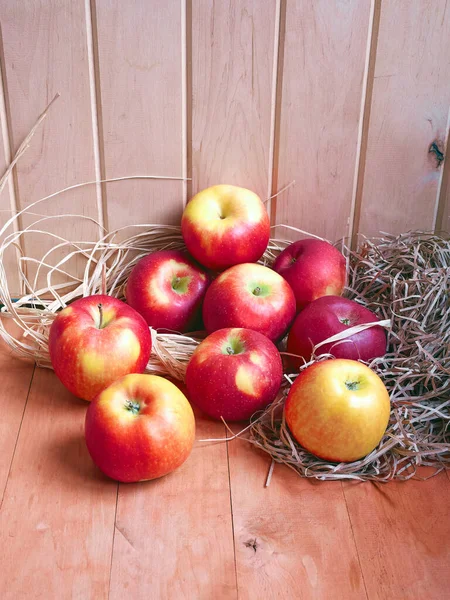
[(140, 427)]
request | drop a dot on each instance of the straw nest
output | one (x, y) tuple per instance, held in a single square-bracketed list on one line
[(405, 280)]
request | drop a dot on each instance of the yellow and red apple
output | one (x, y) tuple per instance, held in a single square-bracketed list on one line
[(338, 410), (250, 296), (167, 288), (233, 373), (94, 341), (328, 316), (139, 428), (225, 225), (313, 268)]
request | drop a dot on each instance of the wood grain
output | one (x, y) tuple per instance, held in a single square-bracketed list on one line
[(402, 532), (140, 75), (411, 96), (45, 52), (292, 539), (320, 110), (174, 535), (232, 64), (57, 517)]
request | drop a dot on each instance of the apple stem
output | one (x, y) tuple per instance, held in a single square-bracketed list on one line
[(230, 350), (257, 291), (176, 282), (100, 310)]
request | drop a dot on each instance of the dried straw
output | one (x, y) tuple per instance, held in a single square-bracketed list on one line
[(405, 279)]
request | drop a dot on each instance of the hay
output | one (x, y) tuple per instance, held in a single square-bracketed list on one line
[(406, 279)]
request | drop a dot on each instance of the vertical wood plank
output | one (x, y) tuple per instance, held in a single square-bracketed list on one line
[(292, 539), (140, 72), (232, 66), (411, 96), (443, 196), (45, 52), (173, 535), (57, 517), (8, 206), (16, 379), (402, 531), (324, 57)]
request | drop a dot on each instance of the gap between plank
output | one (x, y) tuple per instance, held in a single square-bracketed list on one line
[(443, 187), (232, 516), (364, 121), (276, 43), (186, 98), (277, 92), (96, 112), (13, 187), (354, 540), (113, 539), (18, 434)]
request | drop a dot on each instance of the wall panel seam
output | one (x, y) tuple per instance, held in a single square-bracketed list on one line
[(277, 91), (96, 113), (364, 122)]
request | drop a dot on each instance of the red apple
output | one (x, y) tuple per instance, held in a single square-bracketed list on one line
[(167, 289), (233, 373), (250, 296), (312, 268), (338, 410), (96, 340), (225, 225), (141, 427), (328, 316)]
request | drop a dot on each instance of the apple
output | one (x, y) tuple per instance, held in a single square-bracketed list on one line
[(313, 268), (225, 225), (328, 316), (94, 341), (233, 373), (141, 427), (338, 410), (167, 289), (250, 296)]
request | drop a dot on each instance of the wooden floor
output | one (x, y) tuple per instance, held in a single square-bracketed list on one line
[(209, 531)]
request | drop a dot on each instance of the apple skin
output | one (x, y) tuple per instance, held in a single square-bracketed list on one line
[(139, 428), (225, 225), (330, 420), (233, 373), (328, 316), (313, 268), (86, 358), (250, 296), (167, 288)]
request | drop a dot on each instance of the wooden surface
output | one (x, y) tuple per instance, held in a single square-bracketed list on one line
[(209, 530), (140, 103), (319, 117), (232, 69), (39, 62), (346, 98), (401, 177)]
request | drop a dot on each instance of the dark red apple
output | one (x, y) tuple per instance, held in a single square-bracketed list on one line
[(167, 289), (313, 268), (328, 316)]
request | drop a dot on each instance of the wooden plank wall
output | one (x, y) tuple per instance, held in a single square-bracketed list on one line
[(346, 98)]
